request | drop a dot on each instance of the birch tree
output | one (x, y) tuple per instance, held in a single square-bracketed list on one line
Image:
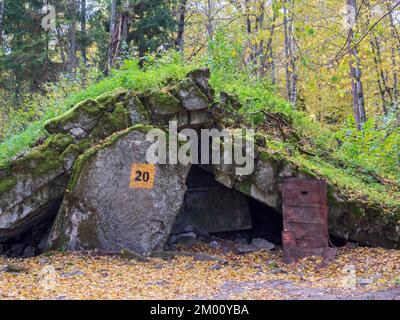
[(355, 65), (1, 20), (72, 62)]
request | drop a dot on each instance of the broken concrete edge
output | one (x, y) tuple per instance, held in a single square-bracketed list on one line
[(89, 107), (61, 144), (82, 159), (41, 160)]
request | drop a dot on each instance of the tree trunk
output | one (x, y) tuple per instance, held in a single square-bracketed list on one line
[(355, 70), (125, 23), (119, 35), (287, 52), (259, 50), (179, 42), (210, 21), (271, 49), (61, 47), (395, 50), (293, 58), (290, 53), (72, 37), (1, 20), (111, 50), (381, 78), (83, 31)]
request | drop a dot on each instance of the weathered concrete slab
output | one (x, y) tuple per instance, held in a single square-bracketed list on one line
[(103, 211)]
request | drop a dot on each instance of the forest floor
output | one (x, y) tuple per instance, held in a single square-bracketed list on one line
[(356, 273)]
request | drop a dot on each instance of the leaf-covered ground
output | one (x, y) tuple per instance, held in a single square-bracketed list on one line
[(357, 273)]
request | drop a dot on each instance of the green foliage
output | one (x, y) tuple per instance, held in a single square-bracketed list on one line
[(375, 149), (150, 31), (26, 127)]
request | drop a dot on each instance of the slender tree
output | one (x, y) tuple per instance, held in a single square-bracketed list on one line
[(119, 31), (271, 58), (395, 51), (72, 61), (355, 66), (290, 52), (179, 42), (384, 90), (83, 31), (1, 20), (113, 18)]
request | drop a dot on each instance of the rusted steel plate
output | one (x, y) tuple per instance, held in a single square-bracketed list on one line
[(305, 193), (305, 214), (318, 186), (329, 254), (289, 247), (303, 198), (307, 230), (316, 252), (288, 238), (312, 243), (305, 219)]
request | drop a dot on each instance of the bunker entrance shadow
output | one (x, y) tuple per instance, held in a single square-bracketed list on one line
[(211, 208)]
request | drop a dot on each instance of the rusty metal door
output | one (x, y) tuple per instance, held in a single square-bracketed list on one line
[(305, 219)]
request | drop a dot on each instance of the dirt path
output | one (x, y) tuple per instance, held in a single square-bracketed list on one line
[(374, 274), (287, 290)]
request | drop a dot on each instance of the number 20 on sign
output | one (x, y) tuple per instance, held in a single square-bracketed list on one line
[(142, 176)]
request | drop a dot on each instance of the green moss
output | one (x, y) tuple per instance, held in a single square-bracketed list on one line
[(264, 156), (120, 118), (109, 99), (5, 166), (189, 85), (40, 161), (102, 130), (72, 149), (83, 145), (136, 103), (244, 187), (109, 123), (60, 141), (7, 183), (357, 211), (44, 158), (77, 168), (88, 107), (164, 103)]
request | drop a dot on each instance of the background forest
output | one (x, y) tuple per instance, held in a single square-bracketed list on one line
[(334, 61)]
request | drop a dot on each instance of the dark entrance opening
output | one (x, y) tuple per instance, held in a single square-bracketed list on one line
[(33, 241), (337, 241), (210, 208)]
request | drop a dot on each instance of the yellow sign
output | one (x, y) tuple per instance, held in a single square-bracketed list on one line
[(142, 176)]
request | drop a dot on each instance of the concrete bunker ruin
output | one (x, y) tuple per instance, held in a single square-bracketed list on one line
[(72, 191)]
